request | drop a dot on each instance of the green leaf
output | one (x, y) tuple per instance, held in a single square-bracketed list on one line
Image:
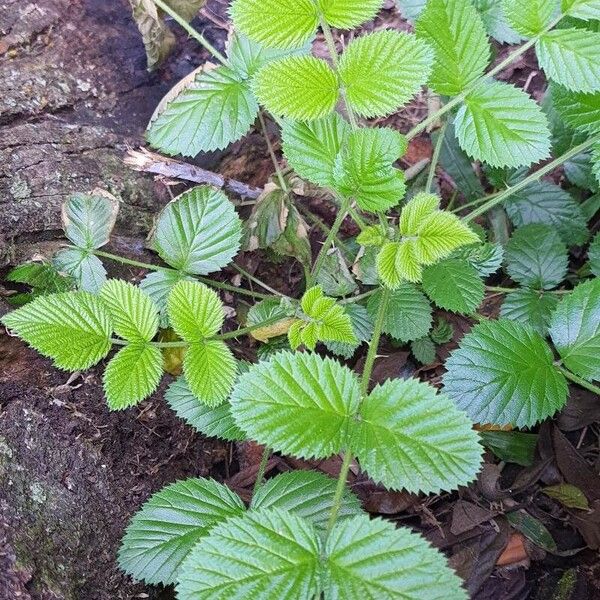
[(84, 268), (530, 17), (536, 257), (485, 258), (496, 22), (594, 255), (362, 326), (210, 370), (409, 437), (408, 314), (347, 14), (217, 108), (195, 311), (276, 23), (132, 375), (501, 125), (411, 9), (455, 31), (72, 328), (582, 9), (454, 285), (88, 220), (297, 403), (575, 330), (363, 169), (503, 373), (311, 148), (423, 350), (568, 495), (382, 71), (571, 57), (41, 277), (511, 446), (530, 307), (335, 277), (299, 87), (133, 313), (199, 232), (169, 525), (416, 210), (579, 111), (373, 235), (596, 161), (158, 285), (211, 421), (442, 332), (307, 494), (545, 202), (267, 553), (371, 558), (532, 529), (397, 263), (579, 170)]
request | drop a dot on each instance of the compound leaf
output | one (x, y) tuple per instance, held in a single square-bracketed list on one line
[(86, 269), (158, 285), (501, 125), (347, 14), (72, 328), (88, 220), (199, 232), (397, 262), (132, 375), (382, 71), (298, 87), (582, 9), (575, 330), (503, 373), (162, 534), (413, 438), (455, 31), (297, 403), (362, 325), (530, 307), (530, 17)]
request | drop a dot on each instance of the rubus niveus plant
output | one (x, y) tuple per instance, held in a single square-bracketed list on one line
[(305, 535)]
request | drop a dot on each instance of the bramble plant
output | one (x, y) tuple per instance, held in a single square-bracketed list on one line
[(305, 535)]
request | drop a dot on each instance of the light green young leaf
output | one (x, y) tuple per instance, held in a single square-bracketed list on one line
[(575, 330), (501, 125), (88, 220), (455, 31), (307, 494), (423, 350), (86, 269), (594, 255), (454, 285), (297, 403), (276, 23), (362, 326), (408, 315), (406, 565), (210, 113), (199, 232), (397, 262), (169, 525), (373, 235), (132, 375), (536, 257), (409, 437), (298, 87), (530, 17), (503, 373), (530, 307), (416, 210), (267, 553), (195, 311), (210, 421), (582, 9), (571, 57), (134, 315), (210, 370), (382, 71), (72, 328), (158, 285), (579, 111), (347, 14)]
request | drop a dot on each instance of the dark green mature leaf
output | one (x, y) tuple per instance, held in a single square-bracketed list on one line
[(88, 220), (335, 277), (575, 330), (267, 553), (503, 373), (454, 285), (579, 170), (511, 446), (423, 350), (410, 437), (86, 270), (485, 258), (211, 421), (217, 108), (536, 257), (594, 255), (41, 277), (532, 529), (72, 328), (198, 232), (457, 35), (371, 558), (297, 403), (308, 494), (530, 307), (580, 111), (162, 534), (408, 316)]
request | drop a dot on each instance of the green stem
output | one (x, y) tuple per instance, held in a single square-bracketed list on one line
[(532, 178), (357, 298), (435, 158), (191, 31), (260, 475), (475, 202), (339, 491), (579, 381), (274, 160), (362, 224), (505, 290)]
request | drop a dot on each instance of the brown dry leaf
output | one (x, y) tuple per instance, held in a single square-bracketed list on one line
[(467, 516), (172, 357), (515, 552), (187, 9), (264, 334)]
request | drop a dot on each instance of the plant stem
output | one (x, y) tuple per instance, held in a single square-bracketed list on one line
[(260, 475), (274, 160), (357, 298), (357, 218), (339, 491), (435, 158), (579, 381), (191, 31), (475, 202), (532, 178), (505, 290)]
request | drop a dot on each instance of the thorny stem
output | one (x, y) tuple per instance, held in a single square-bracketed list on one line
[(579, 381), (435, 158), (274, 160), (191, 31), (260, 475)]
